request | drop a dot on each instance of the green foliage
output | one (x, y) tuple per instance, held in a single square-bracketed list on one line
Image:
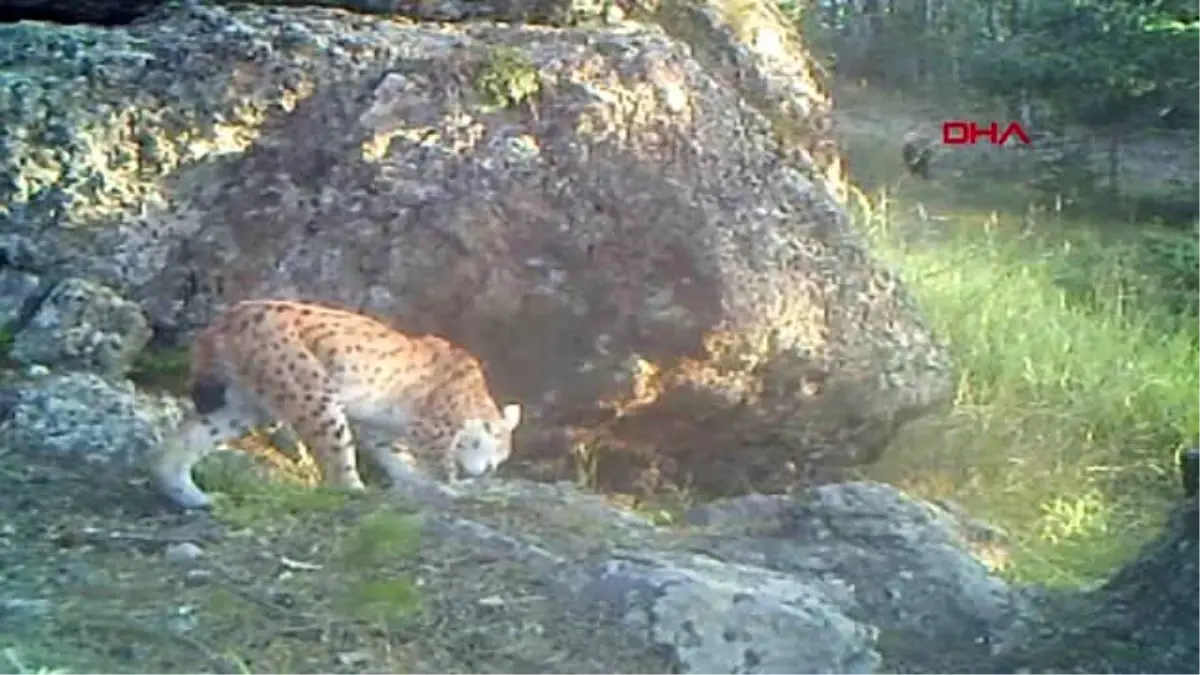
[(507, 78), (7, 337), (244, 498), (374, 592), (381, 537), (14, 663), (1172, 261), (1077, 351), (1095, 64), (1064, 173), (1078, 366), (1109, 64), (391, 602)]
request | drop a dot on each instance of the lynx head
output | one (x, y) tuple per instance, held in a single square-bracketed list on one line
[(481, 446)]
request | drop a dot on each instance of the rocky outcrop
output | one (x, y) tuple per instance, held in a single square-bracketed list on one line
[(18, 290), (637, 227), (845, 578), (886, 553), (632, 249)]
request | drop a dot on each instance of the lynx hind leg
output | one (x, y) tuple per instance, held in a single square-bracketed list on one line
[(222, 415)]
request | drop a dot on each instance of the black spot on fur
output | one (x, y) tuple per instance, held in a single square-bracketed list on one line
[(208, 395)]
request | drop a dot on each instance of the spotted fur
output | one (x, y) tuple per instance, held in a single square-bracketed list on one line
[(332, 375)]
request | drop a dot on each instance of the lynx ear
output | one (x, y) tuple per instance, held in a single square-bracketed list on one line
[(512, 415)]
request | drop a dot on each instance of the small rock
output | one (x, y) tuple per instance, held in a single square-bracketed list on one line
[(184, 552), (86, 326), (23, 608), (197, 577), (355, 658)]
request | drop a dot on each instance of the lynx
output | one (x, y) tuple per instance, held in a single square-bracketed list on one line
[(331, 374)]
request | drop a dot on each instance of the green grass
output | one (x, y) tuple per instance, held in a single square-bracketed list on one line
[(1077, 375), (158, 368)]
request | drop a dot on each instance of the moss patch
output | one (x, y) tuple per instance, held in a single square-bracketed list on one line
[(506, 78)]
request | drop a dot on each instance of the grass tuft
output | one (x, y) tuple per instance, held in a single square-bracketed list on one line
[(163, 369), (382, 537)]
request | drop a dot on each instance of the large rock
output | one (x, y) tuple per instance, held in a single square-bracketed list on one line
[(904, 566), (846, 578), (84, 421), (82, 325), (636, 253), (18, 292)]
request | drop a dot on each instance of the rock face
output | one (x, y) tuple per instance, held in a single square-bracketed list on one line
[(850, 578), (18, 291), (899, 564), (636, 253)]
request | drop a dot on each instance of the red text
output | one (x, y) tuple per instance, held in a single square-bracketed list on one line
[(957, 132)]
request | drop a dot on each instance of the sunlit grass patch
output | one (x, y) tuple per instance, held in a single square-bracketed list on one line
[(1077, 374)]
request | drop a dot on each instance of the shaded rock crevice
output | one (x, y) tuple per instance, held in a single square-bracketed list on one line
[(75, 12)]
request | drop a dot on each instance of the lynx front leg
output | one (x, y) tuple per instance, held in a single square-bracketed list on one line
[(388, 454), (405, 477)]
